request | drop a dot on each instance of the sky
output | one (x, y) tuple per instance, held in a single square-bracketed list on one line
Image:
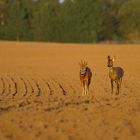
[(61, 1)]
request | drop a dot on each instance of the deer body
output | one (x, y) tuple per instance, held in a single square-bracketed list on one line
[(115, 74), (85, 77)]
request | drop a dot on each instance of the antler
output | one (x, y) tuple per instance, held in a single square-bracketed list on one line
[(83, 63)]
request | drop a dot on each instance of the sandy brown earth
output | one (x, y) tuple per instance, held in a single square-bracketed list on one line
[(40, 93)]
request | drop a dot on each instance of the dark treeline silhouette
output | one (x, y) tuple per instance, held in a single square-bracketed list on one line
[(79, 21)]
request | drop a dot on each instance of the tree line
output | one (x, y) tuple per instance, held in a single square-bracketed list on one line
[(79, 21)]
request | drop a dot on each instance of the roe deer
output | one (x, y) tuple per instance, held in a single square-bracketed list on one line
[(115, 74), (85, 77)]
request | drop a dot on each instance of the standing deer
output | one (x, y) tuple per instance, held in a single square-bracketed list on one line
[(85, 77), (115, 74)]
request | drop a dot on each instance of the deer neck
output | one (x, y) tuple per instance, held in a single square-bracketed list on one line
[(111, 69)]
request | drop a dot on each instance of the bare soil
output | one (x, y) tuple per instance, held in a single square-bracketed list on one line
[(40, 92)]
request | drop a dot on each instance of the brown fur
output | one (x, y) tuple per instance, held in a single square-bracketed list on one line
[(85, 77), (115, 75)]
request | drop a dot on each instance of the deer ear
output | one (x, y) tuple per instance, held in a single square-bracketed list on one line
[(108, 57), (113, 59)]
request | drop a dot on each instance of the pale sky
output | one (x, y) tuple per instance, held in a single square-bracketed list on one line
[(61, 1)]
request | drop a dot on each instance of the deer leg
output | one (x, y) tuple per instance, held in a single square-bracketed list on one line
[(118, 88), (87, 89), (112, 86), (88, 84), (120, 82), (83, 88)]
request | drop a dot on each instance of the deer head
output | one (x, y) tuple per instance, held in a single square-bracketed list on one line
[(83, 67), (110, 61)]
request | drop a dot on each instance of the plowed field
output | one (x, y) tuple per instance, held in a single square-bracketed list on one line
[(40, 92)]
